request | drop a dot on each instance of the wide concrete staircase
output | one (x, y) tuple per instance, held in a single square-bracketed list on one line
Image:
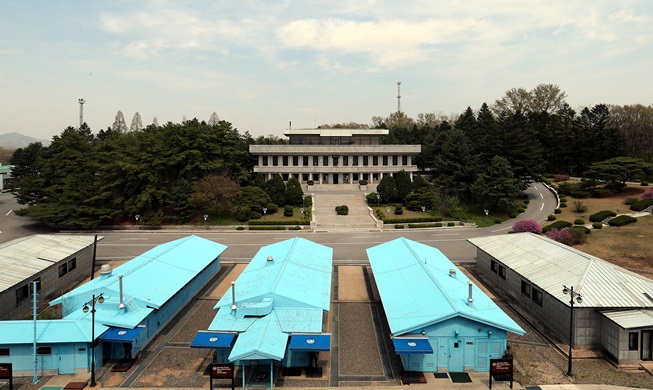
[(325, 200)]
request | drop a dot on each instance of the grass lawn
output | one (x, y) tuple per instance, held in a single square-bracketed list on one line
[(628, 246)]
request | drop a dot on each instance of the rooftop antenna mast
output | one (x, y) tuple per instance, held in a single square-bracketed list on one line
[(81, 112), (398, 97)]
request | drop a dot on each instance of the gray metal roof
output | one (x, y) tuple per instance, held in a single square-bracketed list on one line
[(631, 319), (23, 258), (549, 265), (336, 132)]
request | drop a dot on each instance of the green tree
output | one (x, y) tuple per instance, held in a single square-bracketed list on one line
[(620, 169), (496, 186), (276, 189), (25, 162), (293, 192), (387, 188), (119, 124), (215, 194), (404, 184), (137, 123), (456, 164)]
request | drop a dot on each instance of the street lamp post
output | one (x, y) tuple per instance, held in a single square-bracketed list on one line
[(265, 210), (303, 197), (206, 216), (378, 200), (98, 299), (579, 299), (137, 216), (423, 208)]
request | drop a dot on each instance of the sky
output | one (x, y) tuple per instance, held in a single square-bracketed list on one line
[(263, 64)]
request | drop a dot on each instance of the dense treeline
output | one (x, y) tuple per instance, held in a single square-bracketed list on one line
[(181, 171)]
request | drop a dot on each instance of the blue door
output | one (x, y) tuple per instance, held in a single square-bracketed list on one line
[(66, 357), (456, 355)]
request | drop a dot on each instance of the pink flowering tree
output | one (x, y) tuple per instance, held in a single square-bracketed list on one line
[(561, 235), (527, 225), (648, 194)]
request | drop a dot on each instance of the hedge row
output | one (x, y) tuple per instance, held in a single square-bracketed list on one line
[(621, 220), (411, 220), (269, 222), (557, 225), (424, 225), (267, 228), (601, 215), (641, 204)]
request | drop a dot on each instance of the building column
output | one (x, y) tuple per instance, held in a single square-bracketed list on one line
[(410, 160), (260, 160)]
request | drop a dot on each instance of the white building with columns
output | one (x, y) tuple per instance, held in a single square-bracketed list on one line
[(334, 156)]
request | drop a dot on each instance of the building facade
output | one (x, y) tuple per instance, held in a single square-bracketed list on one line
[(615, 316), (334, 156)]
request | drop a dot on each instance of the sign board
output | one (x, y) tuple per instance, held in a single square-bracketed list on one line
[(221, 370), (501, 370), (5, 371)]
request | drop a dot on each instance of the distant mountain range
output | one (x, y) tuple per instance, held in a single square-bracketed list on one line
[(18, 140)]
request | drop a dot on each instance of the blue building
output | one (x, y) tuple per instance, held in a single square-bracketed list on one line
[(440, 321), (139, 298), (274, 311)]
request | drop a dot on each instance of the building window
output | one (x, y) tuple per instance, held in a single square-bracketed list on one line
[(385, 160), (375, 160), (633, 341), (72, 264), (63, 269), (305, 161), (22, 293), (4, 351), (345, 161), (285, 161), (526, 288), (355, 163), (295, 161), (275, 161), (325, 161), (394, 160), (44, 350), (493, 266), (315, 160), (404, 160), (537, 297), (365, 160), (265, 161), (502, 271)]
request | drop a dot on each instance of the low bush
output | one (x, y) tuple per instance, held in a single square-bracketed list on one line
[(412, 220), (578, 234), (310, 182), (527, 201), (399, 226), (630, 200), (562, 204), (288, 211), (240, 227), (557, 225), (295, 228), (497, 220), (597, 225), (557, 211), (563, 199), (267, 228), (644, 183), (527, 225), (514, 214), (342, 210), (424, 225), (451, 224), (399, 210), (270, 222), (602, 215), (551, 218), (579, 221), (362, 182), (641, 204), (621, 220), (557, 178), (561, 235)]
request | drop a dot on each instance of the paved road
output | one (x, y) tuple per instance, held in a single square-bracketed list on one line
[(348, 247)]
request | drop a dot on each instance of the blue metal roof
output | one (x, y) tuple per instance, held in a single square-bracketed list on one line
[(298, 276), (263, 340), (149, 281), (412, 346), (47, 331), (206, 339), (417, 290)]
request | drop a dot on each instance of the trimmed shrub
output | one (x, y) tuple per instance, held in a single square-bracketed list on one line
[(562, 204), (267, 228), (630, 200), (579, 221), (438, 224), (557, 211), (622, 220), (644, 183), (342, 210), (399, 210), (412, 220), (578, 234), (270, 222), (561, 235), (399, 226), (497, 220), (295, 228), (648, 194), (362, 182), (310, 182), (597, 225), (551, 218), (288, 211), (527, 225), (581, 228), (641, 204), (451, 224), (556, 225), (424, 225), (563, 199), (601, 215), (527, 201), (240, 227), (514, 214)]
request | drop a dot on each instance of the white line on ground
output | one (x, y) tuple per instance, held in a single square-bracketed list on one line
[(133, 238), (541, 196), (9, 212), (542, 207), (498, 230)]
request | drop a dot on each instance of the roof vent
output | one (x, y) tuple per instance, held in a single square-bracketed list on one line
[(233, 296), (106, 269), (270, 259), (121, 305), (452, 273), (470, 300)]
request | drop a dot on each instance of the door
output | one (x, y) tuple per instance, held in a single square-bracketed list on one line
[(456, 356), (66, 355), (647, 345)]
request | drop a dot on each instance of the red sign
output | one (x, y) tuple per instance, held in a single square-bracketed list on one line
[(5, 370), (222, 370), (501, 366)]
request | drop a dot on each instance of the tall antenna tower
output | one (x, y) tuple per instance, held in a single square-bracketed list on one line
[(398, 97), (81, 112)]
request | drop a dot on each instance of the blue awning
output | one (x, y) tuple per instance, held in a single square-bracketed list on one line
[(404, 346), (120, 335), (310, 342), (209, 339)]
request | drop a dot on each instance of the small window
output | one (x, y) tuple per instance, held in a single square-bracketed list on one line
[(22, 293), (63, 269), (265, 161), (44, 350), (526, 288), (537, 296), (365, 160), (502, 271), (394, 160), (375, 160), (493, 266), (385, 160), (404, 160), (275, 161), (305, 161), (325, 161), (633, 341), (72, 264), (4, 351), (355, 162), (345, 161), (285, 161)]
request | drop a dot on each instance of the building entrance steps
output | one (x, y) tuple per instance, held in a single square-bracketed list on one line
[(325, 203)]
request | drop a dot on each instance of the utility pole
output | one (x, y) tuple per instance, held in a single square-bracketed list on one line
[(81, 112), (398, 97)]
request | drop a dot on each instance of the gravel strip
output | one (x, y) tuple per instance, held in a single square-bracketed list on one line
[(358, 349), (199, 321)]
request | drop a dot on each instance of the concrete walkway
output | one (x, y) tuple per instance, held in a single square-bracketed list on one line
[(325, 200)]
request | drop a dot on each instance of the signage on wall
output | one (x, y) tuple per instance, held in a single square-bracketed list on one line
[(501, 370), (221, 371), (6, 373)]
